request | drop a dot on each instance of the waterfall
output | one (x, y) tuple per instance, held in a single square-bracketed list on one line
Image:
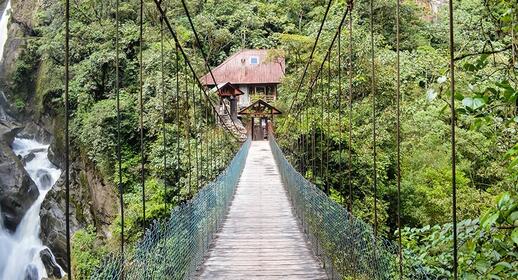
[(3, 28), (20, 254), (3, 102), (3, 38), (20, 251)]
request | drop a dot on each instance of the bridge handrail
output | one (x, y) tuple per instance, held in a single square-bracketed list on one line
[(345, 244), (174, 248)]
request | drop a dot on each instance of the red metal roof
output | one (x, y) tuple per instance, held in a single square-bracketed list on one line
[(227, 89), (239, 69), (260, 108)]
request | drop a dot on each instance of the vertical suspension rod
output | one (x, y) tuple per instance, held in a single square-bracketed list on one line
[(350, 105), (67, 142), (119, 156), (162, 89), (398, 134), (141, 120), (453, 149), (373, 95)]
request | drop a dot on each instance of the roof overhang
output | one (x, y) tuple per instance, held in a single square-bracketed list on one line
[(220, 88), (260, 108)]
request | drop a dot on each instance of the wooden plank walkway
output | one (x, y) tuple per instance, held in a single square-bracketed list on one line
[(260, 238)]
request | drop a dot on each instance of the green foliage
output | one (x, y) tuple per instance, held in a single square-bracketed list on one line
[(487, 247), (87, 252), (486, 96)]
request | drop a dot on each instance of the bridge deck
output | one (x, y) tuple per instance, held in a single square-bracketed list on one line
[(260, 238)]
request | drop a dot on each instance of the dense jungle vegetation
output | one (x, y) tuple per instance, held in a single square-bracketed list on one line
[(486, 102)]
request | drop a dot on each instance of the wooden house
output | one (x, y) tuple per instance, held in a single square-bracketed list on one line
[(256, 73)]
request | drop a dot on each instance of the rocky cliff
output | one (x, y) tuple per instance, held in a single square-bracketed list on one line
[(17, 191), (25, 86)]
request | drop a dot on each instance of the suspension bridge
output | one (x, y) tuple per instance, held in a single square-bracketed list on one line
[(261, 217)]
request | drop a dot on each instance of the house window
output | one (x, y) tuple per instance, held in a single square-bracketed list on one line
[(260, 90), (254, 60)]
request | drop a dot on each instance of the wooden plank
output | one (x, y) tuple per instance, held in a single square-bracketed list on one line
[(260, 238)]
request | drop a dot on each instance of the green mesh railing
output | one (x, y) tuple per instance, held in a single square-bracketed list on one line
[(346, 245), (173, 249)]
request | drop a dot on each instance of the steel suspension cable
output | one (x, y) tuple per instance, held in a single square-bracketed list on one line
[(350, 105), (206, 61), (453, 149), (322, 121), (339, 99), (309, 144), (162, 89), (188, 132), (207, 137), (141, 121), (196, 132), (188, 63), (373, 94), (328, 121), (513, 39), (319, 71), (119, 156), (303, 146), (398, 134), (67, 140), (178, 121), (310, 56), (313, 138)]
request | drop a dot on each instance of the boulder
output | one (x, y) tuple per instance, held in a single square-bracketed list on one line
[(51, 266), (28, 157), (36, 132), (17, 190)]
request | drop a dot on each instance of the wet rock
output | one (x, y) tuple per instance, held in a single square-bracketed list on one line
[(51, 266), (44, 178), (92, 202), (53, 155), (17, 190), (31, 273), (28, 158), (36, 132)]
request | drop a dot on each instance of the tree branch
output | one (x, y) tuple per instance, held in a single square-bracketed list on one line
[(483, 52)]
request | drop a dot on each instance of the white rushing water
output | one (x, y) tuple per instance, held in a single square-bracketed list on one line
[(3, 28), (4, 20), (20, 251), (3, 114)]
